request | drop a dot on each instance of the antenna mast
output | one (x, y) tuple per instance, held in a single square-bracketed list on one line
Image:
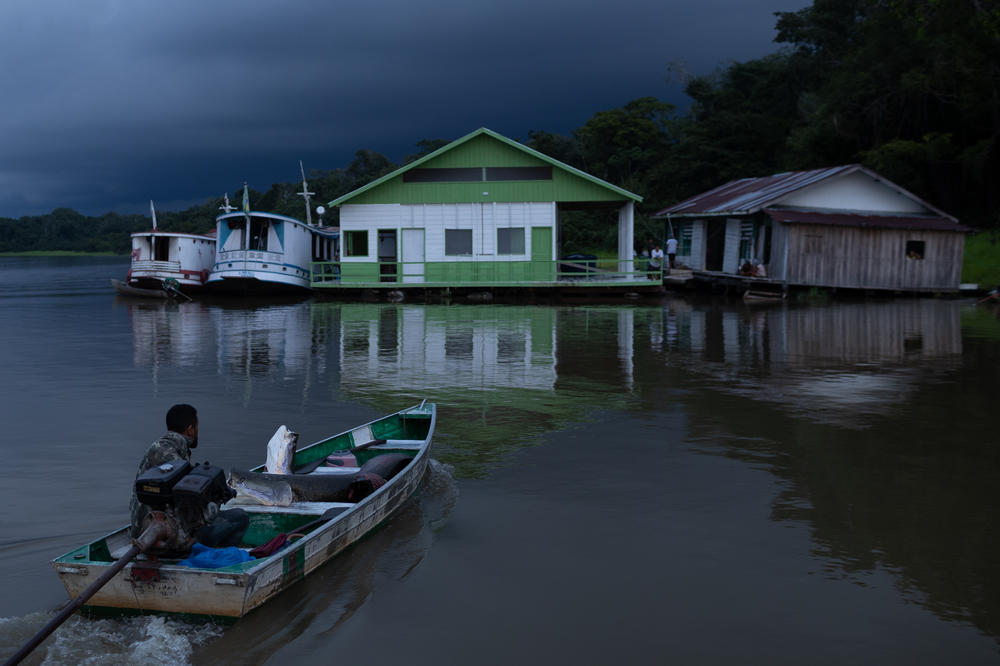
[(227, 208), (305, 193)]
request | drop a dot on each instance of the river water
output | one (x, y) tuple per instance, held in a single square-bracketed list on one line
[(659, 481)]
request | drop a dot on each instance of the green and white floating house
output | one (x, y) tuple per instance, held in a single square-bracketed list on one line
[(482, 211)]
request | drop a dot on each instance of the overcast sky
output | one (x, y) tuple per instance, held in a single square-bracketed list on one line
[(107, 104)]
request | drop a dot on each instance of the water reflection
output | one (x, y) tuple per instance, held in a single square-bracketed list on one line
[(871, 415), (279, 342), (840, 364), (495, 371)]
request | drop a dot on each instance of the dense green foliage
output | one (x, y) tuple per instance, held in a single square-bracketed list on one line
[(981, 261), (909, 88)]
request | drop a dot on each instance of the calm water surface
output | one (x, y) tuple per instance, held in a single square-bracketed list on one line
[(654, 482)]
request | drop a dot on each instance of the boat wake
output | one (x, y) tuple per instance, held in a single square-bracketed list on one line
[(147, 640)]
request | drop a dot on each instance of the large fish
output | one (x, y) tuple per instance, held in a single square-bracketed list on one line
[(281, 451), (283, 489)]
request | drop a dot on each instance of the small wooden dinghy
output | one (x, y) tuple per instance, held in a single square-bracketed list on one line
[(760, 296), (127, 290), (317, 531)]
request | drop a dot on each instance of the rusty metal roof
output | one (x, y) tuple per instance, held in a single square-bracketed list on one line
[(749, 195), (918, 222)]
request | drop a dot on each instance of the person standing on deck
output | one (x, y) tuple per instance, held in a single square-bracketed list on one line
[(182, 436), (655, 260), (672, 250)]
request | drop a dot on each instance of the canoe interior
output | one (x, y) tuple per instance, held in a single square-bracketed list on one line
[(412, 425)]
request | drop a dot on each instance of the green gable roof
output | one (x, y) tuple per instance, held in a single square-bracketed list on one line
[(485, 148)]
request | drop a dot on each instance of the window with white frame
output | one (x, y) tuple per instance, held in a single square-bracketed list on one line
[(457, 242), (510, 241)]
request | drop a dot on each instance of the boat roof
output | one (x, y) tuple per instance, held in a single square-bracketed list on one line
[(208, 235), (330, 232)]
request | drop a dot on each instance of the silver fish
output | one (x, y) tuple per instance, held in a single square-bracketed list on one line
[(255, 489)]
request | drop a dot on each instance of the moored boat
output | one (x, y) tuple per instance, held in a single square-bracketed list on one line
[(179, 261), (262, 253), (265, 253), (316, 529)]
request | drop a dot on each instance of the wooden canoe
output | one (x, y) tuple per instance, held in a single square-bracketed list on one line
[(128, 290), (233, 591)]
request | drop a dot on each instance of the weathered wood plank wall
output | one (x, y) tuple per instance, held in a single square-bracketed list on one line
[(859, 258)]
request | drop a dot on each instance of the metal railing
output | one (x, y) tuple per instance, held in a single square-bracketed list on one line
[(436, 273), (154, 265)]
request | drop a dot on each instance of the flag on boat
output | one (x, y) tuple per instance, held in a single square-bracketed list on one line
[(246, 199), (153, 212)]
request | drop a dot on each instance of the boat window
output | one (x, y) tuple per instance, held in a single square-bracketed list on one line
[(457, 242), (232, 237), (510, 241), (258, 234)]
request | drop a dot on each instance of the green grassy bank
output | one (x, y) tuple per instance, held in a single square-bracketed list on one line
[(981, 263)]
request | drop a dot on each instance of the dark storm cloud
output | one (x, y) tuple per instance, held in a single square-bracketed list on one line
[(110, 103)]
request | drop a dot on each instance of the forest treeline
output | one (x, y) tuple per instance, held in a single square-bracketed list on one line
[(909, 88)]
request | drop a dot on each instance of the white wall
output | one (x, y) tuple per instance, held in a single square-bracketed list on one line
[(483, 219), (697, 258), (730, 257), (853, 192)]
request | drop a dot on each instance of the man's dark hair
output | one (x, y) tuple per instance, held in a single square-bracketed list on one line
[(179, 417)]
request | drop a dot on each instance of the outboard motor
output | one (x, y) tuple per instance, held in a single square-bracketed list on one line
[(182, 499)]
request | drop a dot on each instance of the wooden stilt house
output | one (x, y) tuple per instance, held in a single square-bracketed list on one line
[(841, 227)]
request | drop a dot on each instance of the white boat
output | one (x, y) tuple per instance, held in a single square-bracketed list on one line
[(181, 261), (261, 253), (316, 531)]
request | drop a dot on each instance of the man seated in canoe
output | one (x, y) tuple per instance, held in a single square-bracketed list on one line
[(182, 435)]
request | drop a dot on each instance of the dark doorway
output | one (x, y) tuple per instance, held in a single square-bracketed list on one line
[(388, 268), (715, 245), (161, 248)]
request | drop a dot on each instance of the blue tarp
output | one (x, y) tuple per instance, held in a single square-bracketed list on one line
[(203, 557)]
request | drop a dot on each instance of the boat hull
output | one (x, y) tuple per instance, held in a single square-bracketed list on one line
[(252, 283), (236, 590), (129, 290)]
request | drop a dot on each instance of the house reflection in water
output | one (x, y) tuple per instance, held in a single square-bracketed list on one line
[(422, 349), (235, 340), (836, 363)]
